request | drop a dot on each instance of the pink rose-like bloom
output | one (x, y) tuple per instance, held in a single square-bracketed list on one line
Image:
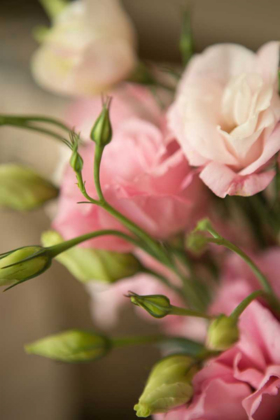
[(243, 383), (226, 116), (144, 175)]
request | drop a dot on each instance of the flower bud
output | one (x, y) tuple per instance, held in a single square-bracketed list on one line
[(71, 346), (157, 305), (101, 132), (76, 161), (222, 333), (93, 264), (22, 189), (196, 242), (169, 385), (23, 264)]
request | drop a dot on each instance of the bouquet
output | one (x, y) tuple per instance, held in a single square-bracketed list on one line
[(168, 199)]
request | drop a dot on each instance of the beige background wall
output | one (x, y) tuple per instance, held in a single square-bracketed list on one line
[(32, 388)]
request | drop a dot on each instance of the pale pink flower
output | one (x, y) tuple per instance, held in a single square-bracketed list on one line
[(144, 175), (89, 49), (226, 116), (243, 383)]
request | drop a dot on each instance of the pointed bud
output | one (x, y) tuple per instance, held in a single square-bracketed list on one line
[(23, 189), (76, 161), (87, 264), (156, 305), (101, 132), (23, 264), (71, 346), (222, 333), (169, 385)]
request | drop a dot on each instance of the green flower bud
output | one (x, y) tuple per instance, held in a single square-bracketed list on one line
[(101, 132), (169, 385), (88, 264), (23, 264), (22, 189), (76, 161), (196, 242), (157, 305), (222, 333), (71, 346)]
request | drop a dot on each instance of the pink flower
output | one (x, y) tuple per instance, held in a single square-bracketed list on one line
[(226, 117), (144, 175), (243, 383)]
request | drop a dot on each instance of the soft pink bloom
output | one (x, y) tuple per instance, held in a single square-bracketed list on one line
[(243, 383), (144, 175), (226, 117), (89, 49)]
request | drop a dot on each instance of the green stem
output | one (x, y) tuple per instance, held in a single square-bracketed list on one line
[(39, 130), (175, 310), (261, 277), (191, 347), (246, 302), (96, 172), (18, 120), (55, 250), (258, 273)]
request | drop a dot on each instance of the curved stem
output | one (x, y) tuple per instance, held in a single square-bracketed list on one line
[(25, 119), (246, 302), (40, 130), (258, 273), (55, 250)]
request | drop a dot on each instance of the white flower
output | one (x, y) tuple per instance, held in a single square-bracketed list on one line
[(90, 48)]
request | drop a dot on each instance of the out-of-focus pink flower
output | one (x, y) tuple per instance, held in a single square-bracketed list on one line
[(144, 175), (238, 280), (226, 117), (243, 383), (89, 49)]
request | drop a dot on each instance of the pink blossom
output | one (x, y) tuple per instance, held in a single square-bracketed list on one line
[(243, 383), (144, 175), (226, 117)]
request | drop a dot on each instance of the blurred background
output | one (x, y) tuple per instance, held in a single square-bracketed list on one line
[(34, 388)]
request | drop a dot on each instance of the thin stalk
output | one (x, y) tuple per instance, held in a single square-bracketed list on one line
[(55, 250), (191, 347), (258, 273), (23, 119), (40, 130), (175, 310), (246, 302)]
